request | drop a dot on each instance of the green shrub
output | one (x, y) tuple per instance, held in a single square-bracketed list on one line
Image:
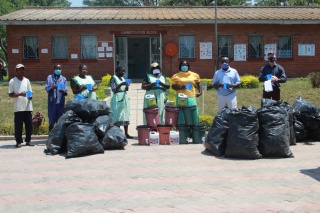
[(249, 81), (105, 83), (8, 129), (206, 119), (314, 79), (171, 93)]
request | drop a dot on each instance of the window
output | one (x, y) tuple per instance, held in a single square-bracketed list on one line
[(186, 46), (155, 50), (30, 47), (88, 47), (59, 47), (284, 46), (225, 46), (255, 46)]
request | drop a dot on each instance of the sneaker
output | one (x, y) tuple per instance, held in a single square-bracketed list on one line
[(18, 145), (29, 144)]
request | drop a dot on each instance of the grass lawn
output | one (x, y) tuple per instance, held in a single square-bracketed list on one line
[(246, 97)]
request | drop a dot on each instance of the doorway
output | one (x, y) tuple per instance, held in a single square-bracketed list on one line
[(138, 57)]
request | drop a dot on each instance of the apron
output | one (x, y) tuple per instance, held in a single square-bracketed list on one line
[(120, 103), (160, 95), (88, 80)]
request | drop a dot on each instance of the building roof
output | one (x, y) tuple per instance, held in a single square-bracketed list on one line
[(162, 15)]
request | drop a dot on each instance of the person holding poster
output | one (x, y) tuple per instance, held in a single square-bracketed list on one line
[(272, 74)]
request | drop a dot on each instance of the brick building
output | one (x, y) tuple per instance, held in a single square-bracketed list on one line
[(104, 37)]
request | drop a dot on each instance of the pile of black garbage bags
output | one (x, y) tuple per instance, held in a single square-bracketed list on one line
[(85, 128), (248, 133)]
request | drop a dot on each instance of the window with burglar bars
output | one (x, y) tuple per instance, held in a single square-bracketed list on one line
[(255, 49), (155, 50), (225, 46), (89, 47), (284, 46), (59, 47), (30, 47), (186, 47)]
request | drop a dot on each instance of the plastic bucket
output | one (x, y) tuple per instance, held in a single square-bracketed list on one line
[(172, 115), (152, 116), (164, 133), (190, 115), (143, 134), (184, 133), (199, 133)]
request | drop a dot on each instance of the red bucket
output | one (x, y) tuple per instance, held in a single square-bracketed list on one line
[(164, 134), (152, 116), (143, 134), (172, 115)]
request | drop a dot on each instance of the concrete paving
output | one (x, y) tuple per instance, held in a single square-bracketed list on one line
[(181, 178)]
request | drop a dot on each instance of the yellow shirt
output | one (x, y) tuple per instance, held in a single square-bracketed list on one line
[(182, 78)]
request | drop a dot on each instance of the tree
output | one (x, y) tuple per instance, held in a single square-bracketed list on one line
[(202, 3), (120, 2), (287, 3)]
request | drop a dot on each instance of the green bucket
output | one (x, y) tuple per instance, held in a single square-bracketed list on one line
[(199, 133), (184, 133), (190, 115)]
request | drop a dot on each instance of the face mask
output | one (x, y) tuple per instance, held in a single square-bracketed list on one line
[(57, 72), (225, 66), (155, 71), (184, 68), (272, 59)]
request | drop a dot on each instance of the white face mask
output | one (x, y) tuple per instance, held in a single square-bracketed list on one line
[(155, 71)]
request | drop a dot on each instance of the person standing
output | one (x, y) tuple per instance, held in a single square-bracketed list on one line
[(18, 88), (225, 81), (157, 89), (274, 72), (180, 81), (120, 102), (80, 84), (56, 87), (3, 71)]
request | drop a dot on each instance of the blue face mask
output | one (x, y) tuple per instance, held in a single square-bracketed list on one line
[(57, 72), (184, 68), (225, 66)]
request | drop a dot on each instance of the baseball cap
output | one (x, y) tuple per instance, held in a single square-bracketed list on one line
[(154, 64), (19, 66)]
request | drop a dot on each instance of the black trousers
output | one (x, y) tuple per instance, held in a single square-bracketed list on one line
[(20, 118)]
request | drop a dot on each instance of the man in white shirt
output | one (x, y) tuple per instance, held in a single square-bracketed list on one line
[(19, 87)]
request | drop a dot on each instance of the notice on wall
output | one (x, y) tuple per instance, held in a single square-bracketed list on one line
[(15, 51), (240, 52), (205, 50), (269, 48), (74, 56), (44, 50), (105, 49), (306, 49)]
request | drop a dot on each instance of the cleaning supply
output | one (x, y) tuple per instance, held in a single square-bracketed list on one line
[(182, 99), (174, 137), (153, 138), (151, 100)]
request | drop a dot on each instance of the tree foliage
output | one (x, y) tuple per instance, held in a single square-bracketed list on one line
[(287, 3), (203, 3)]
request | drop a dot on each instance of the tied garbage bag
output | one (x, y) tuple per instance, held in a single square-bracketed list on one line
[(274, 132), (216, 140), (114, 139), (103, 124), (309, 114), (300, 130), (243, 138), (82, 140), (87, 109), (57, 141)]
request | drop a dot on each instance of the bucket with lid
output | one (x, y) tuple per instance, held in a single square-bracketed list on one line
[(172, 115), (152, 116), (143, 134)]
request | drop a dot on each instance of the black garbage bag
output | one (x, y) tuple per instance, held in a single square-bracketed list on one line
[(308, 114), (300, 131), (290, 110), (57, 142), (314, 134), (243, 138), (265, 102), (274, 132), (114, 139), (216, 140), (82, 140), (103, 124), (87, 109)]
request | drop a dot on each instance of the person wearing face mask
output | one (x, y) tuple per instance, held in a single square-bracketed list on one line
[(83, 85), (225, 81), (57, 89), (120, 102), (274, 72), (180, 81), (155, 83)]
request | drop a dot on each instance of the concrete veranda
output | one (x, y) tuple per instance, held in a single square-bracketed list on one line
[(183, 178)]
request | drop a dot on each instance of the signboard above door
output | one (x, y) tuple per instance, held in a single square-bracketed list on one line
[(139, 32)]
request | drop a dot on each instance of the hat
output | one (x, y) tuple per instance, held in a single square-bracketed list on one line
[(19, 66), (154, 64)]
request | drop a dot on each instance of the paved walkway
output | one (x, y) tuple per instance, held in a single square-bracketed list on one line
[(182, 178)]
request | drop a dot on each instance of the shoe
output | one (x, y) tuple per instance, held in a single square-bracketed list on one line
[(18, 145), (29, 144), (128, 136)]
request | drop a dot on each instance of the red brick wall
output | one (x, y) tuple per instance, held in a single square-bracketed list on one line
[(38, 70)]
